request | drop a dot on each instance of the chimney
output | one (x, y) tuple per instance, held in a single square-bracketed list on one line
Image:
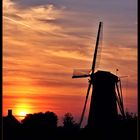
[(9, 112)]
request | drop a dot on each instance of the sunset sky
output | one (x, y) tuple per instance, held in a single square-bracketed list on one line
[(44, 40)]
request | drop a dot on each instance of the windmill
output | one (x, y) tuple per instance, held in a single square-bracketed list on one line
[(106, 91)]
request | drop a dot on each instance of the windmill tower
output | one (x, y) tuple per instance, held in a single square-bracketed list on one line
[(106, 93)]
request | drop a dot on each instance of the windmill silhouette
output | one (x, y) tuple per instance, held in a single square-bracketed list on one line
[(106, 92)]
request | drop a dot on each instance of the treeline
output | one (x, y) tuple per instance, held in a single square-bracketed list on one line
[(44, 126)]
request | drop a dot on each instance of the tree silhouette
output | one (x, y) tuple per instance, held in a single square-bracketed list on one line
[(40, 120), (51, 119), (68, 121), (130, 116), (44, 126)]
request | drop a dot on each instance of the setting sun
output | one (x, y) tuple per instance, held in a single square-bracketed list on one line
[(22, 113), (22, 109)]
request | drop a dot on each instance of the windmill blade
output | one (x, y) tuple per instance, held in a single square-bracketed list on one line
[(123, 76), (120, 101), (82, 116), (121, 91), (121, 97), (80, 76), (96, 47), (119, 104), (93, 68), (81, 73)]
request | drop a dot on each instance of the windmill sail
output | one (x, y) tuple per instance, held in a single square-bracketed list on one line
[(81, 73), (98, 43), (82, 116), (93, 68)]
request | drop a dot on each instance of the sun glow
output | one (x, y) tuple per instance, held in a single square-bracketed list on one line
[(22, 109), (22, 113)]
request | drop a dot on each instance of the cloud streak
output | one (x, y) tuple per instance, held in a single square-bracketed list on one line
[(17, 22)]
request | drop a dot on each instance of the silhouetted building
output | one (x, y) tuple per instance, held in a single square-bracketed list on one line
[(11, 127), (9, 112), (103, 106), (10, 120)]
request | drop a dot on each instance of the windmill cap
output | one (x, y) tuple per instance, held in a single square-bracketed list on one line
[(105, 75)]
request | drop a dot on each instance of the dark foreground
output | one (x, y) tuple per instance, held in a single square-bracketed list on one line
[(44, 127)]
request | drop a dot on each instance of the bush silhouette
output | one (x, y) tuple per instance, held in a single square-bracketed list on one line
[(40, 120)]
